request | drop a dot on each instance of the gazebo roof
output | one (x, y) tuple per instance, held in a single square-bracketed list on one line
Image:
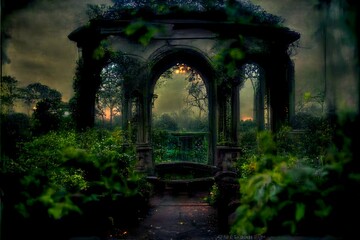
[(240, 18), (222, 10), (225, 29)]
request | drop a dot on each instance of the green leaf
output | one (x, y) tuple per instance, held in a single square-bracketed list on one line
[(292, 226), (99, 53), (307, 96), (237, 54), (300, 211), (21, 208), (132, 28), (355, 177), (91, 198), (145, 38), (324, 210), (55, 212)]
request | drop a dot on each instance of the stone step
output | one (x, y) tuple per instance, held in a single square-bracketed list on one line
[(187, 185)]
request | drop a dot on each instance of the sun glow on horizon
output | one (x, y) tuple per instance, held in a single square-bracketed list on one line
[(246, 118)]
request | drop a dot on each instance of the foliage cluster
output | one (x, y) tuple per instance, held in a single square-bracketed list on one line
[(44, 109), (168, 146), (311, 103), (292, 195), (203, 9), (214, 195), (8, 93), (44, 106), (243, 12), (247, 138), (61, 174), (49, 176), (182, 122), (308, 143)]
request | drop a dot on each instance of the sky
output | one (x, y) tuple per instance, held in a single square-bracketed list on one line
[(39, 50), (301, 16), (170, 95)]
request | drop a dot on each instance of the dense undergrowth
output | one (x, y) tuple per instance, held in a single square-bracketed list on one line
[(72, 183), (302, 185)]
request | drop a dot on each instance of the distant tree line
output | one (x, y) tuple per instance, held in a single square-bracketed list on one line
[(44, 111)]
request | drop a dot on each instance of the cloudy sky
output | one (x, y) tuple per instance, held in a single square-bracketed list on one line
[(39, 50)]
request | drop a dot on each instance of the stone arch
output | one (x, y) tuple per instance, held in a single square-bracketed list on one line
[(168, 57), (132, 65)]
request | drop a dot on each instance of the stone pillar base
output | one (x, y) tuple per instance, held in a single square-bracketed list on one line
[(145, 162), (226, 157)]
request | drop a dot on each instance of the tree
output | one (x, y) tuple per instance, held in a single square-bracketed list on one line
[(196, 99), (47, 115), (9, 93), (197, 94), (166, 122), (110, 94), (36, 92), (121, 73), (47, 106)]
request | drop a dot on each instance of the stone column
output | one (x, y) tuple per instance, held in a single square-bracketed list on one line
[(280, 89), (291, 86), (87, 85), (224, 115), (227, 150), (143, 146), (213, 121), (127, 114), (259, 96), (235, 114)]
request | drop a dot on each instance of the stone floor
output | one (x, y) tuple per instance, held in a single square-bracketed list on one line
[(177, 216)]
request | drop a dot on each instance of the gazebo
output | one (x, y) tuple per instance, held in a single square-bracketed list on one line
[(155, 42)]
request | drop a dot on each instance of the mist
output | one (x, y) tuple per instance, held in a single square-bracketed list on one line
[(171, 95)]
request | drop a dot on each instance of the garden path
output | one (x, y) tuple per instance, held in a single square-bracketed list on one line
[(177, 216)]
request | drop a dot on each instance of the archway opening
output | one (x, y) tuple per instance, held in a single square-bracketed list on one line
[(180, 116), (254, 98), (109, 97), (254, 110)]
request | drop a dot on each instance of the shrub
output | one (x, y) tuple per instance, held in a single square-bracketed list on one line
[(288, 195), (62, 170), (16, 129)]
